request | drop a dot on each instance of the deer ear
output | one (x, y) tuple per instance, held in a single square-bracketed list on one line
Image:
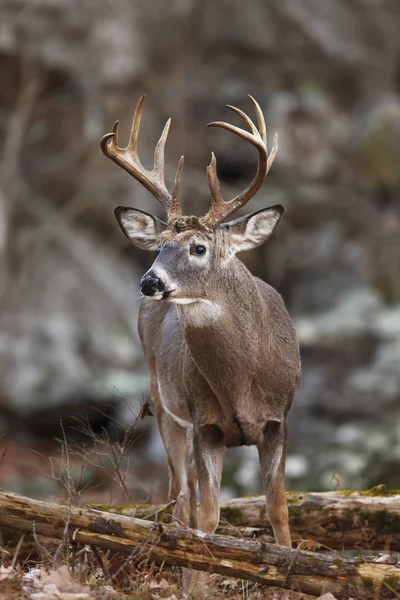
[(253, 230), (141, 228)]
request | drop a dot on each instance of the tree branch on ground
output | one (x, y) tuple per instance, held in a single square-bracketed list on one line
[(338, 520), (269, 564)]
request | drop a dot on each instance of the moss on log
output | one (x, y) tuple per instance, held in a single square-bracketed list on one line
[(368, 519)]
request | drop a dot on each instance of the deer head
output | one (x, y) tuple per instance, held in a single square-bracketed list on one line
[(193, 252)]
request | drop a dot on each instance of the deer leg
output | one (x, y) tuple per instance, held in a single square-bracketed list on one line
[(208, 452), (272, 453), (176, 446), (192, 478)]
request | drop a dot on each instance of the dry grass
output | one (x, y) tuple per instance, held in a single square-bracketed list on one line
[(87, 573), (37, 568)]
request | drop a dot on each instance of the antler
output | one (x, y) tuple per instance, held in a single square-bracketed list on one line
[(220, 210), (128, 159)]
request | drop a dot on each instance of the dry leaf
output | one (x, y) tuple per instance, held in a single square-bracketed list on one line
[(5, 572), (60, 577), (164, 585)]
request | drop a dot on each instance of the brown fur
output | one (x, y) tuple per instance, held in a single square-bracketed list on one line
[(232, 380)]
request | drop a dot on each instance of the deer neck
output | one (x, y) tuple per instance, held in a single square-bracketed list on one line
[(219, 330), (228, 299)]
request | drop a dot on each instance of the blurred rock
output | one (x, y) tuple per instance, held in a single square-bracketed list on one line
[(374, 144), (347, 407), (309, 128)]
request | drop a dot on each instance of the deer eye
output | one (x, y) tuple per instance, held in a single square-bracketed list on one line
[(198, 249)]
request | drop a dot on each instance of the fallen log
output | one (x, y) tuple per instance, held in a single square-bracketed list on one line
[(339, 520), (269, 564)]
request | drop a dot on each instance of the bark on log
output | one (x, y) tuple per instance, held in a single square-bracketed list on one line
[(338, 520), (268, 564)]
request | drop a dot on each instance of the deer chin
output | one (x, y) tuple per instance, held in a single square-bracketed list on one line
[(161, 295), (174, 300), (157, 296)]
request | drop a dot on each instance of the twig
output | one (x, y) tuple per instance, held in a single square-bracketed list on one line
[(131, 556), (64, 540), (160, 510), (3, 455), (115, 451), (391, 589), (16, 551), (98, 554), (74, 545), (196, 535), (42, 550)]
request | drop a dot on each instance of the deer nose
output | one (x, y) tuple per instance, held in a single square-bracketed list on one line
[(151, 284)]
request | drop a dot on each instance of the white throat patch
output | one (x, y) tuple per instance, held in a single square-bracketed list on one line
[(183, 300), (198, 312)]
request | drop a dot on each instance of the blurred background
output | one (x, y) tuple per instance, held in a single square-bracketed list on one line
[(72, 373)]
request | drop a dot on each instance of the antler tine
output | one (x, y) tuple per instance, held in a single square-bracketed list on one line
[(159, 150), (108, 136), (272, 154), (263, 133), (245, 118), (128, 159), (221, 210), (137, 118), (260, 120), (176, 210), (254, 139), (213, 183)]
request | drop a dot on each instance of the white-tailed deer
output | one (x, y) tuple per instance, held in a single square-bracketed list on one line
[(222, 352)]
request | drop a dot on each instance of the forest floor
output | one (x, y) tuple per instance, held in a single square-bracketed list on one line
[(36, 577), (34, 567)]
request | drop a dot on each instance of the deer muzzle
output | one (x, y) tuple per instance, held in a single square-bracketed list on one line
[(151, 285)]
